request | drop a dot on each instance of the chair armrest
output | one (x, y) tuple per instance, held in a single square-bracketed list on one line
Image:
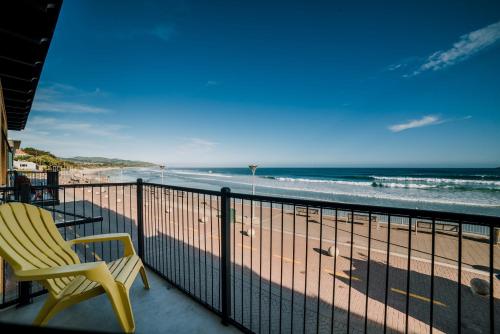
[(84, 269), (123, 237)]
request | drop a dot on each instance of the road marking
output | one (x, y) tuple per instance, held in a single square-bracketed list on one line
[(247, 247), (403, 256), (419, 297), (343, 275), (286, 259)]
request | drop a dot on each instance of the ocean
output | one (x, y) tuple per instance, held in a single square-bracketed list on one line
[(469, 190)]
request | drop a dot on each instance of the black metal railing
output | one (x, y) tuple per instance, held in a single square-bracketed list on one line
[(36, 178), (269, 264)]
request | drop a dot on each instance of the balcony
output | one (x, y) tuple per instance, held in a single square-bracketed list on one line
[(161, 309), (265, 264)]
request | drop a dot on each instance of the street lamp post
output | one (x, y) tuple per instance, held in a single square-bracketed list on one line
[(162, 167), (253, 168)]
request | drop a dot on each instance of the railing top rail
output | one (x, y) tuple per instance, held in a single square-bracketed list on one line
[(85, 185), (382, 210), (194, 190), (29, 171)]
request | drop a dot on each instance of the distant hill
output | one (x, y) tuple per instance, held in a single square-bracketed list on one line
[(49, 160), (110, 162)]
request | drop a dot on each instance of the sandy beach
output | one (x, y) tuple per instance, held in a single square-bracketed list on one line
[(85, 176)]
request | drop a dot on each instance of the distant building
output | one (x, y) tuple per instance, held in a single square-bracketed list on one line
[(25, 165), (20, 153)]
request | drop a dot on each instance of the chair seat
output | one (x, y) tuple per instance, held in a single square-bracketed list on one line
[(123, 270)]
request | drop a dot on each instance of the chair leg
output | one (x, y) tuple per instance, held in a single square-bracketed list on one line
[(119, 298), (48, 310), (144, 277)]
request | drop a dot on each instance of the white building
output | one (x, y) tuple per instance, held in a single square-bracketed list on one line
[(25, 165)]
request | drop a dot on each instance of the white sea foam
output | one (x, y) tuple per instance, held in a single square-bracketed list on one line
[(184, 172), (437, 180), (351, 183)]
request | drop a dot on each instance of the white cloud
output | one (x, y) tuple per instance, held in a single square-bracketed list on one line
[(54, 127), (54, 97), (66, 107), (468, 45), (72, 137), (416, 123), (211, 83)]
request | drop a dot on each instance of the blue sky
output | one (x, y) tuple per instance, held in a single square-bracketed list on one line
[(225, 83)]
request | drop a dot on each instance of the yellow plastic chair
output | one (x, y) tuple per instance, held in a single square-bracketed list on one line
[(31, 243)]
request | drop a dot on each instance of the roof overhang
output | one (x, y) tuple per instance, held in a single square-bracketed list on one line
[(26, 30)]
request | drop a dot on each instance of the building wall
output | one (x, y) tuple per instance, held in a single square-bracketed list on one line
[(25, 165), (3, 160), (4, 144)]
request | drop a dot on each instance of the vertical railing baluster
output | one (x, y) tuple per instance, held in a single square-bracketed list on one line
[(193, 246), (24, 288), (388, 259), (319, 267), (251, 263), (212, 252), (293, 270), (368, 270), (226, 254), (242, 263), (408, 273), (270, 263), (492, 283), (433, 253), (260, 270), (334, 271), (281, 269), (140, 221), (305, 280), (350, 273), (459, 292)]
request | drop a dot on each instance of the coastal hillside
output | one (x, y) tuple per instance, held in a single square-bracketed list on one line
[(46, 159), (109, 162)]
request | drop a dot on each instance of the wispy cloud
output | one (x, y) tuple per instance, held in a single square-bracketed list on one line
[(195, 146), (55, 97), (163, 32), (66, 107), (416, 123), (467, 46), (211, 83), (425, 121), (74, 137), (52, 126)]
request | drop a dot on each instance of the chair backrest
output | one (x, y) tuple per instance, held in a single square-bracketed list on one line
[(29, 239)]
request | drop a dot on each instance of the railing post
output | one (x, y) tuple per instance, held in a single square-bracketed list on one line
[(24, 288), (226, 254), (140, 221), (53, 184)]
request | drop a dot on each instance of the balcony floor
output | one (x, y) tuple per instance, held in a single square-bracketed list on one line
[(161, 309)]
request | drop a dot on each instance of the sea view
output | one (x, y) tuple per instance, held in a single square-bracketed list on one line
[(467, 190), (225, 167)]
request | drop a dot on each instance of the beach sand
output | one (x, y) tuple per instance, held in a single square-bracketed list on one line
[(85, 176)]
